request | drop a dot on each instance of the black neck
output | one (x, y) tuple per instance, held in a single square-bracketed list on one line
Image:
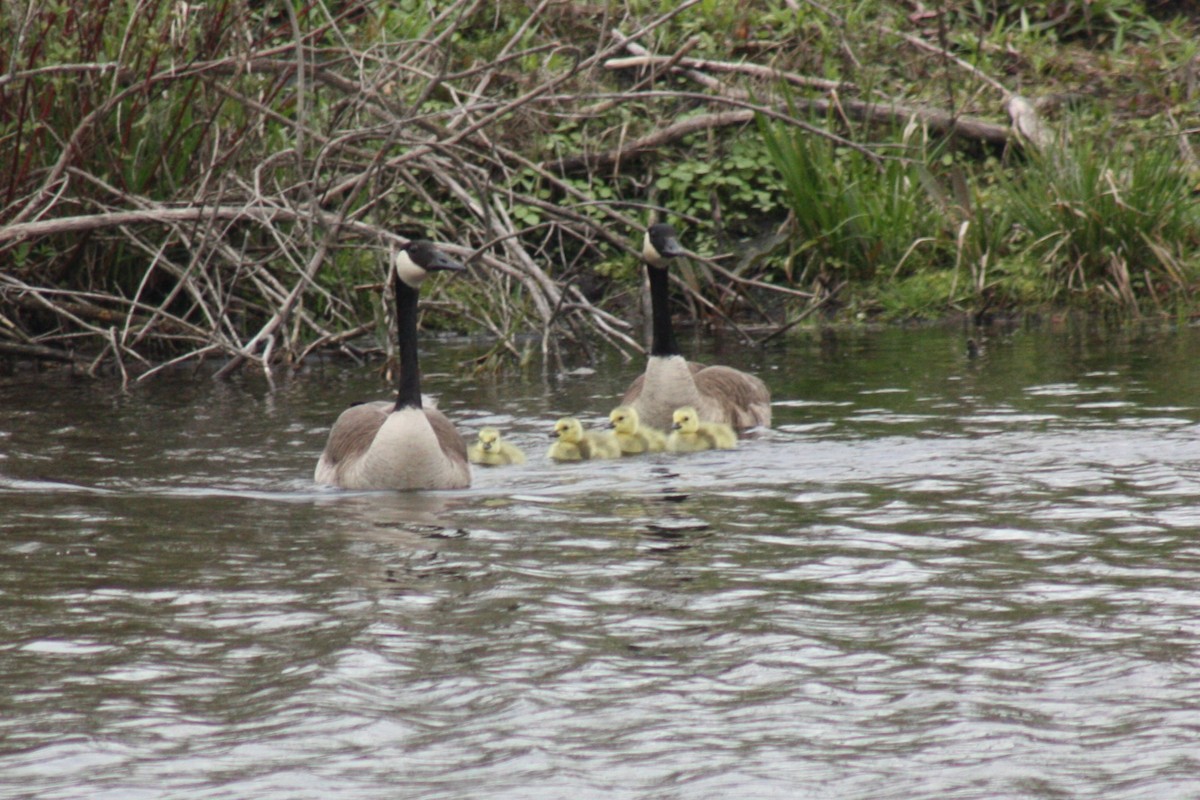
[(409, 394), (662, 334)]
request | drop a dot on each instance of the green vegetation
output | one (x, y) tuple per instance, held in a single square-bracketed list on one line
[(185, 181)]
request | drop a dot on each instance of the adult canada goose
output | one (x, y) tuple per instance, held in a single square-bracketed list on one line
[(575, 444), (493, 451), (399, 445), (633, 437), (720, 394), (690, 435)]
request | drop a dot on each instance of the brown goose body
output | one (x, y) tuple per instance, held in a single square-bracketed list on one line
[(401, 444), (375, 446), (718, 393)]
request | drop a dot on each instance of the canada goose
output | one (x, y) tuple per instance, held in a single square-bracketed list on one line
[(720, 394), (575, 444), (690, 435), (493, 451), (633, 437), (399, 445)]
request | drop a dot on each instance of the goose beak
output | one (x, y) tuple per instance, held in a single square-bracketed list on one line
[(671, 248), (441, 261)]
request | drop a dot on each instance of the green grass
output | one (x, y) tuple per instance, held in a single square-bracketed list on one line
[(857, 218), (1117, 217)]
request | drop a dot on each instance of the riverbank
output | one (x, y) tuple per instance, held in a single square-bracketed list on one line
[(226, 184)]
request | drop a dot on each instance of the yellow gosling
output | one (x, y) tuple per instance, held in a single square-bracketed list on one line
[(575, 444), (490, 450), (632, 436), (690, 435)]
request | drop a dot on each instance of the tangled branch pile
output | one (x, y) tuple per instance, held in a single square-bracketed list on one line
[(222, 180)]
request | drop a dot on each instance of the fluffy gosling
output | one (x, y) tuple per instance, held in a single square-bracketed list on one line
[(633, 437), (690, 435), (575, 444), (490, 450)]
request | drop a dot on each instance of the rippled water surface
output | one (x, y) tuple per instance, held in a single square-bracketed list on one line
[(935, 577)]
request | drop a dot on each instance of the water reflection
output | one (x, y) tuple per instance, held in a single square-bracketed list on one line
[(936, 576)]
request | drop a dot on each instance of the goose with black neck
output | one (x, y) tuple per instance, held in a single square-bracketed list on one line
[(399, 445), (719, 394)]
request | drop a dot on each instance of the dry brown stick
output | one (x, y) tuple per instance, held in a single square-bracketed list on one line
[(169, 215), (261, 61), (512, 42), (61, 69), (702, 65), (82, 305), (651, 141), (921, 44), (40, 352), (38, 296), (188, 356), (862, 110), (441, 139), (805, 314), (333, 225), (770, 287), (601, 320), (73, 145), (183, 283), (867, 112), (339, 338)]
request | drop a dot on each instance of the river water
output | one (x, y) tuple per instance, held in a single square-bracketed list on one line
[(936, 577)]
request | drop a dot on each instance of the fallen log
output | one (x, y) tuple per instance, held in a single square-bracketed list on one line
[(938, 121)]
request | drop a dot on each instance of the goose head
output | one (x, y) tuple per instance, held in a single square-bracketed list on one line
[(686, 420), (659, 244), (489, 439), (418, 258), (569, 430), (624, 419)]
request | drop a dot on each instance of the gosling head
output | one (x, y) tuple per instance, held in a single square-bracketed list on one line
[(659, 244), (624, 419), (686, 420), (418, 258), (568, 429), (489, 439)]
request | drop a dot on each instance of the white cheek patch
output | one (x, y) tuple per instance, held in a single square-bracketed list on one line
[(408, 270), (649, 252)]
